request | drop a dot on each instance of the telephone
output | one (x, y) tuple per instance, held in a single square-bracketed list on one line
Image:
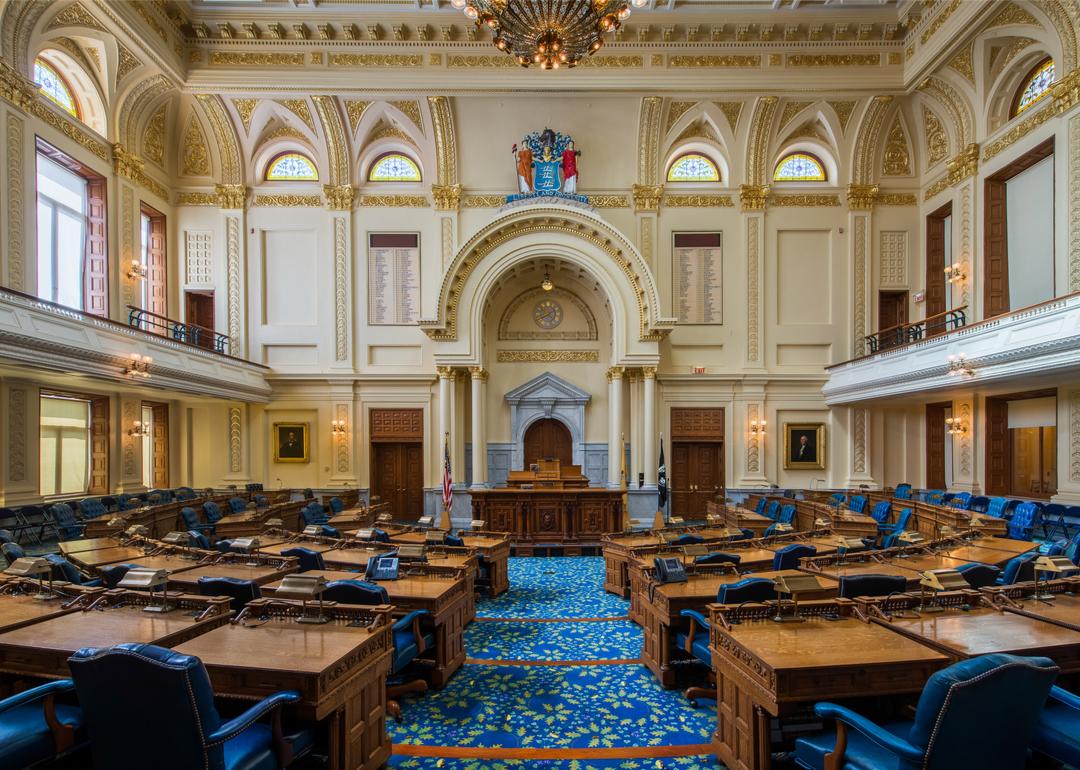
[(382, 567), (669, 569)]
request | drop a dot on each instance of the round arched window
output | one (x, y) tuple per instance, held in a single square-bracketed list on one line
[(799, 167), (291, 167), (394, 167), (693, 167), (55, 87), (1035, 86)]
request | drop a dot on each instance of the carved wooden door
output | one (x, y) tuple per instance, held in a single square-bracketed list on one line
[(548, 439)]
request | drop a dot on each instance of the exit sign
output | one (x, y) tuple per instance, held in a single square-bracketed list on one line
[(698, 370)]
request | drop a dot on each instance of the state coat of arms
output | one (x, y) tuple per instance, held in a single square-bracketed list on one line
[(546, 163)]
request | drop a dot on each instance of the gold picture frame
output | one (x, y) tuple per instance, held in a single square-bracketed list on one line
[(804, 455), (291, 442)]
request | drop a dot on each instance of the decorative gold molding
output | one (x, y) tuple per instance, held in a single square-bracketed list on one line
[(127, 164), (615, 373), (621, 62), (442, 120), (609, 201), (447, 196), (548, 356), (75, 15), (445, 372), (245, 108), (732, 111), (355, 108), (964, 165), (196, 199), (225, 134), (1014, 134), (478, 373), (648, 372), (936, 23), (861, 197), (376, 60), (483, 201), (896, 160), (649, 140), (757, 171), (394, 201), (698, 201), (333, 131), (256, 59), (287, 201), (753, 197), (1066, 92), (937, 141), (339, 197), (804, 200), (897, 199), (715, 62), (937, 187), (833, 60), (230, 196), (647, 197)]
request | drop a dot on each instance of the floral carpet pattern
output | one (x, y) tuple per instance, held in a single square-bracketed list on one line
[(508, 705)]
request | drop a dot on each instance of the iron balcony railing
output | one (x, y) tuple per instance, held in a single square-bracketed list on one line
[(190, 334), (903, 334)]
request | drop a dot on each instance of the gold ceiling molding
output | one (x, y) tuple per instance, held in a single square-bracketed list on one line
[(896, 161), (649, 140), (833, 60), (225, 136), (897, 199), (753, 197), (862, 197), (195, 158), (394, 201), (1017, 132), (732, 111), (867, 139), (955, 104), (75, 15), (1013, 15), (245, 108), (699, 129), (126, 63), (376, 60), (1061, 23), (963, 62), (284, 132), (791, 109), (230, 196), (620, 62), (299, 108), (757, 172), (480, 62), (334, 133), (742, 61), (144, 12), (1015, 47), (411, 109), (937, 140), (937, 187), (355, 108), (256, 59), (153, 144), (547, 356), (936, 23), (442, 121), (384, 130), (287, 201), (196, 199), (964, 165), (804, 200), (609, 201), (675, 111), (483, 201), (698, 201), (140, 98)]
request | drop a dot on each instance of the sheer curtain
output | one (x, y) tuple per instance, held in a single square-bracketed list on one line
[(65, 445)]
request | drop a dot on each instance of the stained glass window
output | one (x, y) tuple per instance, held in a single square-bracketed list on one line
[(394, 167), (693, 167), (291, 167), (1036, 86), (53, 85), (799, 167)]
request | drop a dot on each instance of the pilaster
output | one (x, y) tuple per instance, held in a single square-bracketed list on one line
[(1068, 445), (231, 201), (339, 199), (19, 434), (237, 425), (965, 478), (753, 199), (751, 437), (343, 435)]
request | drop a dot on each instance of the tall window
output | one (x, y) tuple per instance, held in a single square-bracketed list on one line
[(394, 167), (799, 167), (65, 445), (61, 222), (152, 258), (1035, 86), (693, 167), (291, 167), (53, 85)]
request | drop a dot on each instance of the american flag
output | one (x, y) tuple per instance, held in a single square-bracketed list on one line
[(447, 478)]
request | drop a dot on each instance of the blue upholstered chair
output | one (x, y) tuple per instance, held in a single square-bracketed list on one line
[(67, 528), (6, 536), (126, 502), (1058, 732), (935, 496), (254, 486), (313, 513), (26, 739), (410, 640), (12, 551), (749, 589), (785, 516), (857, 503), (91, 508), (1072, 550), (112, 574), (337, 505), (309, 559), (788, 556), (871, 585), (192, 523), (240, 591), (380, 535), (959, 722), (902, 491), (212, 512), (979, 575), (1054, 514), (836, 499), (237, 505), (62, 569), (197, 539), (166, 718), (183, 494), (1019, 569), (997, 507), (454, 541), (760, 507), (772, 509), (261, 501), (896, 527), (960, 500), (1023, 521), (687, 539), (979, 504), (718, 557), (880, 513)]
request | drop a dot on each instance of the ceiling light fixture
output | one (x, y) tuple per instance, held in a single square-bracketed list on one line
[(551, 33), (546, 284)]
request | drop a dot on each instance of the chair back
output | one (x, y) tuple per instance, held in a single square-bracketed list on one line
[(62, 569), (1024, 521), (788, 556), (185, 493), (212, 512), (454, 541), (903, 520), (935, 496), (355, 592), (997, 507), (687, 539), (6, 535), (312, 513), (857, 504), (960, 500), (309, 559), (902, 491), (237, 505), (91, 508), (760, 507), (166, 700), (891, 540), (65, 520), (12, 551), (871, 585), (253, 487), (746, 590), (718, 557), (163, 495), (337, 505), (190, 518), (961, 722), (880, 511), (240, 591), (1019, 569), (836, 499), (787, 514), (111, 574), (772, 508), (979, 575), (261, 501), (380, 536), (308, 494), (979, 504), (197, 539)]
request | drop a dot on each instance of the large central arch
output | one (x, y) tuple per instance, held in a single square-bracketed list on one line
[(536, 232)]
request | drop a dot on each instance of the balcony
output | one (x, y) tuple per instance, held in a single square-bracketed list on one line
[(1035, 345), (37, 334)]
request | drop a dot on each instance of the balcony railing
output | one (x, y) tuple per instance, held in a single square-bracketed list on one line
[(895, 336), (190, 334)]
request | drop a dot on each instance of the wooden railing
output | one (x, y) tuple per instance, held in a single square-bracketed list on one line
[(190, 334), (903, 334)]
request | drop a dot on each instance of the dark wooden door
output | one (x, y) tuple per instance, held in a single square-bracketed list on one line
[(99, 446), (935, 264), (160, 453), (998, 447), (548, 439), (996, 253), (96, 265), (399, 478), (156, 266), (199, 310), (697, 476), (935, 445), (892, 313)]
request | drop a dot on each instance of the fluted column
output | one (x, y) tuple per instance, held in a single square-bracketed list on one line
[(446, 398), (648, 429), (615, 428), (479, 439)]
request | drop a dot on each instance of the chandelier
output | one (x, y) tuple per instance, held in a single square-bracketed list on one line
[(551, 33)]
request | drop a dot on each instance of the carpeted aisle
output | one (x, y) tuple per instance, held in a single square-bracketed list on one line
[(553, 680)]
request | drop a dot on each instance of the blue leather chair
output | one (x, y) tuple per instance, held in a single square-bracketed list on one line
[(687, 539), (772, 509), (718, 557), (935, 496), (1072, 550), (857, 503), (979, 575), (880, 513), (997, 507), (67, 528), (91, 508), (1054, 513), (1058, 732), (959, 722), (240, 591), (309, 559), (902, 491), (1019, 569), (760, 507), (410, 641), (197, 539), (12, 551), (380, 536), (454, 541), (126, 502), (6, 536), (1023, 521), (749, 589), (836, 499), (237, 505), (253, 487), (786, 516), (62, 569), (788, 556), (212, 512), (192, 523), (261, 501), (112, 574), (26, 740), (182, 728), (979, 504), (871, 585), (896, 527), (313, 513), (960, 500), (337, 505), (183, 494)]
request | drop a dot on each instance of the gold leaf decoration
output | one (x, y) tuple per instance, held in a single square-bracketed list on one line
[(154, 138), (1013, 15), (256, 59), (299, 108), (732, 111), (196, 159), (547, 356), (126, 64), (355, 109), (843, 112), (937, 141), (75, 15), (896, 161), (245, 108), (676, 111), (791, 109), (412, 110), (963, 62)]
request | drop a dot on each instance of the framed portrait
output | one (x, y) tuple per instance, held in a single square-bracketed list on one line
[(804, 446), (291, 442)]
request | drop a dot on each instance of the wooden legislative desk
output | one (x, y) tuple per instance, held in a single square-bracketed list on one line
[(339, 668), (358, 516), (102, 557), (158, 519), (1062, 610), (261, 568), (69, 547), (251, 523), (23, 609), (910, 566), (766, 669), (931, 520), (549, 516), (737, 517), (663, 603), (442, 594), (492, 547)]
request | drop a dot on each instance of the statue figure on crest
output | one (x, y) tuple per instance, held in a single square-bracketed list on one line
[(524, 168), (546, 167)]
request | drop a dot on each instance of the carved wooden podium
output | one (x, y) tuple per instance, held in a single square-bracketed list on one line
[(548, 474)]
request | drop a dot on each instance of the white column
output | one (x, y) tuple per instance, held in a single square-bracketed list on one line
[(648, 428), (479, 439), (615, 428), (446, 397), (634, 379)]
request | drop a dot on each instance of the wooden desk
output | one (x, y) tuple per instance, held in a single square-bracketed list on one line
[(930, 519), (43, 648), (262, 573), (158, 519), (88, 544), (442, 594), (554, 516), (339, 668), (105, 556), (766, 669), (493, 547), (663, 604), (273, 546), (737, 517), (887, 562), (24, 609), (252, 523), (1062, 610)]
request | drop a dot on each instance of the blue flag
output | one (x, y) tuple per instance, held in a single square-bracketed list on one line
[(661, 479)]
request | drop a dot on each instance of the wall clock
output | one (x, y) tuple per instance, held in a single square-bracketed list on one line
[(547, 314)]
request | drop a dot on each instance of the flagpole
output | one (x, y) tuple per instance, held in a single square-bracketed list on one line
[(444, 522), (658, 522)]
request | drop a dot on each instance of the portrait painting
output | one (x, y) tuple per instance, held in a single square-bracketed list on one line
[(804, 446), (291, 442)]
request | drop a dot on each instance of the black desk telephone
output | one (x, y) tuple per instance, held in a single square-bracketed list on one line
[(669, 569), (382, 568)]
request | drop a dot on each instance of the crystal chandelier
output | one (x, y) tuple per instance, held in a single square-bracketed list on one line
[(551, 33)]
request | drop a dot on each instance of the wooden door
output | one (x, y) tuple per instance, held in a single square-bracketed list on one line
[(156, 266), (99, 446), (548, 439), (892, 313), (96, 265), (998, 447), (697, 476), (160, 453), (199, 310), (935, 445), (996, 251), (935, 263), (399, 478), (679, 479)]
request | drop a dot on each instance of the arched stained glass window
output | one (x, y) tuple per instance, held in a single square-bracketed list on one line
[(291, 167), (53, 85), (799, 167), (394, 167), (1035, 86), (693, 167)]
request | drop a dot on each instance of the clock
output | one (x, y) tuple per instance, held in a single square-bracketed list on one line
[(547, 314)]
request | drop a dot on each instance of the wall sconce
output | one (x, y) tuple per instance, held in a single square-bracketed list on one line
[(140, 429), (954, 426), (954, 273), (958, 365), (139, 366), (757, 428), (137, 271), (337, 427)]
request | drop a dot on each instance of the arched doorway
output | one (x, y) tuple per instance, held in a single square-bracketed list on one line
[(548, 439)]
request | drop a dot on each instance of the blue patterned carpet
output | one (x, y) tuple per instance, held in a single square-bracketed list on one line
[(562, 707)]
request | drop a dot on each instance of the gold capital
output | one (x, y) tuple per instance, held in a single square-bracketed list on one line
[(647, 197), (445, 372), (753, 197), (648, 372), (339, 197), (447, 196), (478, 373), (230, 196), (964, 165), (862, 197), (615, 373)]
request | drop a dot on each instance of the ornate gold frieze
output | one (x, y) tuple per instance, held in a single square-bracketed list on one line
[(615, 373), (963, 62), (287, 201), (897, 199), (447, 196), (196, 199), (732, 111), (245, 108), (256, 59), (896, 161), (480, 62), (548, 356), (937, 141), (937, 187), (1013, 15), (1017, 132), (609, 201), (355, 110), (937, 21), (126, 64), (647, 197), (622, 62), (804, 200), (339, 197), (126, 164), (698, 201), (376, 60), (411, 109), (1066, 92), (442, 121), (196, 160), (230, 196), (154, 137), (482, 201), (753, 197), (833, 60), (715, 62), (394, 201), (964, 165), (75, 15), (861, 197)]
